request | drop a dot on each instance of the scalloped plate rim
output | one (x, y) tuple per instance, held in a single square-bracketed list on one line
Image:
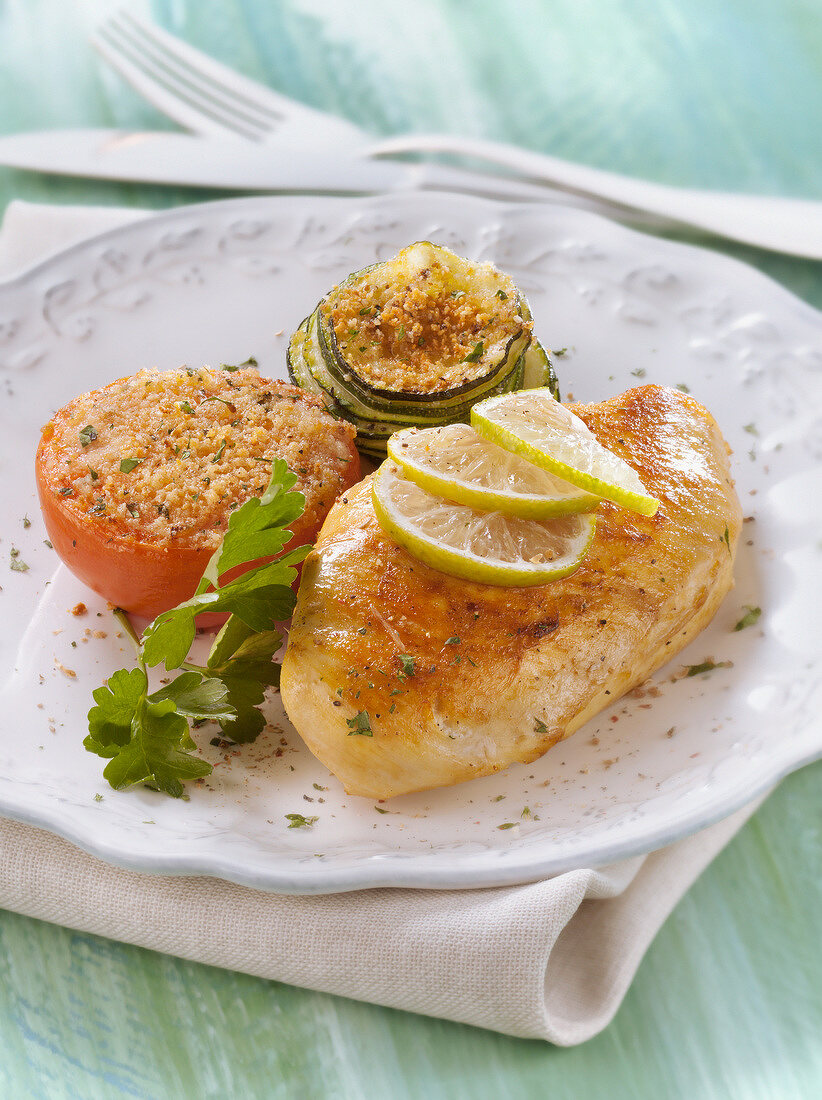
[(505, 867)]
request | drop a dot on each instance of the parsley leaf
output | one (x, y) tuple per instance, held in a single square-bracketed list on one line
[(110, 721), (196, 697), (257, 529), (169, 638), (245, 695), (145, 736), (158, 753)]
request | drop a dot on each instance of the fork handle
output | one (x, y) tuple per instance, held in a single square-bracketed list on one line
[(787, 225)]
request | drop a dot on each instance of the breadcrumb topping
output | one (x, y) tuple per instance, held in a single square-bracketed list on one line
[(166, 456), (426, 321)]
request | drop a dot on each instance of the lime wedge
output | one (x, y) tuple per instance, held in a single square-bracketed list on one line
[(453, 461), (486, 547), (534, 425)]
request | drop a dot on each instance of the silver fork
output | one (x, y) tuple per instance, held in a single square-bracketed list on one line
[(205, 96), (209, 98), (212, 100)]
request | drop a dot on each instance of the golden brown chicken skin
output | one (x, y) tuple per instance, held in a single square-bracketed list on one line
[(455, 680)]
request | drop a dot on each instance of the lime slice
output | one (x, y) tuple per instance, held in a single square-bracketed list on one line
[(486, 547), (531, 423), (453, 461)]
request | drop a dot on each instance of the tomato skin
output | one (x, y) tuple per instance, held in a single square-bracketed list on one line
[(140, 577), (130, 565)]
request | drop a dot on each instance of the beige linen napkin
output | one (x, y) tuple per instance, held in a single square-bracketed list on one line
[(550, 960)]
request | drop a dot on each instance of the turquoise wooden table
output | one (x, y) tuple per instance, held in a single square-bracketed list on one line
[(728, 1002)]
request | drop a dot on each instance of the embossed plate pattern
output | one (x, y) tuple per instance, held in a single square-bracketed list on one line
[(219, 282)]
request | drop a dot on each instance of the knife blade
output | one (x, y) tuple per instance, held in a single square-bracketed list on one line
[(183, 159), (172, 158)]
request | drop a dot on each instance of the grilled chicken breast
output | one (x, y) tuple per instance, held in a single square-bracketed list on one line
[(400, 678)]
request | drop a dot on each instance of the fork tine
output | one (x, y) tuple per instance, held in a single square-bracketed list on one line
[(194, 107), (245, 93), (209, 77)]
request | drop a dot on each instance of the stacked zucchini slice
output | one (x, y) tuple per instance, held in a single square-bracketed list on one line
[(417, 340)]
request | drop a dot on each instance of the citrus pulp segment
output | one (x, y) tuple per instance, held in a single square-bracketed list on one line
[(453, 461), (486, 547), (534, 425)]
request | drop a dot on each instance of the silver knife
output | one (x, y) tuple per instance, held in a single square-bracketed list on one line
[(184, 159)]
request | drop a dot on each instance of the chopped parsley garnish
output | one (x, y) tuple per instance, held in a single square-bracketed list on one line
[(640, 372), (474, 354), (360, 725), (186, 407), (726, 538), (250, 362), (228, 404), (129, 464), (503, 297), (507, 825), (16, 562), (87, 435), (750, 617), (219, 452), (297, 821), (408, 663), (540, 727), (707, 666), (145, 735), (454, 640)]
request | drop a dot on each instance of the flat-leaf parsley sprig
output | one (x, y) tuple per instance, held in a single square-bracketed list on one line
[(145, 735)]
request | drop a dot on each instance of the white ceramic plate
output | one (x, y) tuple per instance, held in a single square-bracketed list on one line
[(219, 282)]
